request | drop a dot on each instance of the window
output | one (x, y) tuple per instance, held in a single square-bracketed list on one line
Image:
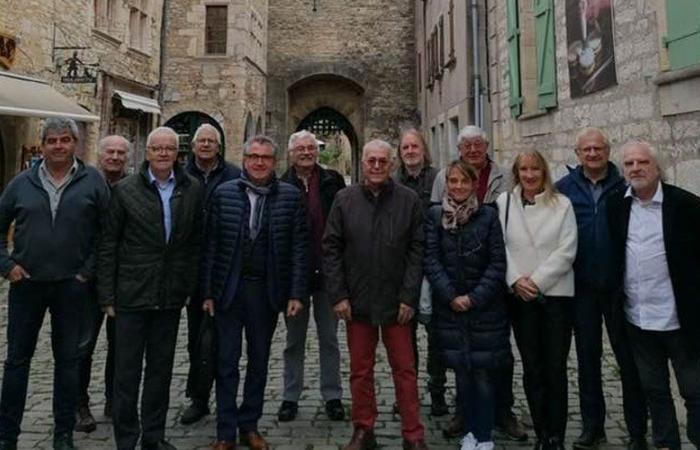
[(451, 19), (105, 14), (454, 133), (139, 26), (216, 29), (513, 38), (418, 73), (546, 59), (683, 37), (441, 49)]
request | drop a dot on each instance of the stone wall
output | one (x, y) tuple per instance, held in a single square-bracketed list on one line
[(637, 108)]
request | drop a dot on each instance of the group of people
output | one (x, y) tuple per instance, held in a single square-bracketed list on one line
[(471, 251)]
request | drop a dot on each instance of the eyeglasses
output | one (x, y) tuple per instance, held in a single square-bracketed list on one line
[(206, 141), (471, 144), (258, 157), (307, 149), (381, 162), (162, 148)]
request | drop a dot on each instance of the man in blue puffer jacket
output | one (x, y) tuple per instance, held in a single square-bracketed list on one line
[(588, 186), (254, 265)]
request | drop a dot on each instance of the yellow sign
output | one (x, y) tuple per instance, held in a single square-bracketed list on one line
[(8, 50)]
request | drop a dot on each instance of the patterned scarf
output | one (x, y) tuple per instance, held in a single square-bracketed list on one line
[(456, 214), (257, 212)]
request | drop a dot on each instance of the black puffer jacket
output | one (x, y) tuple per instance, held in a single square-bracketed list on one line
[(471, 261), (287, 256), (137, 269)]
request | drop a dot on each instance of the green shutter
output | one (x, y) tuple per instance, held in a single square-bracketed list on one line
[(513, 36), (683, 38), (546, 58)]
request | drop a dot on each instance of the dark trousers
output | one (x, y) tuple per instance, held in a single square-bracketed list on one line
[(437, 373), (27, 305), (590, 309), (652, 350), (87, 349), (153, 334), (543, 335), (194, 322), (477, 402), (251, 312)]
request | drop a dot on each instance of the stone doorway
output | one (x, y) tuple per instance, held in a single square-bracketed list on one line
[(331, 107)]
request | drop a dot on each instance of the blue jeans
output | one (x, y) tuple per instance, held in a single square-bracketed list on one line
[(476, 401), (589, 311), (27, 305)]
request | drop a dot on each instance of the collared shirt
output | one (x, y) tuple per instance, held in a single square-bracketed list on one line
[(651, 304), (165, 190), (53, 187), (596, 187), (253, 198)]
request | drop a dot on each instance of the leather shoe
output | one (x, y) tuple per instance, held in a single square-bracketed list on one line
[(454, 428), (194, 413), (414, 445), (639, 443), (8, 445), (589, 439), (335, 410), (288, 411), (438, 406), (362, 439), (84, 422), (555, 443), (63, 442), (223, 445), (160, 445), (511, 427), (254, 441)]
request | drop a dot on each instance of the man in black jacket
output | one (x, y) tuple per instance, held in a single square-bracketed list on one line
[(147, 270), (654, 232), (373, 246), (56, 207), (254, 265), (208, 166), (318, 187)]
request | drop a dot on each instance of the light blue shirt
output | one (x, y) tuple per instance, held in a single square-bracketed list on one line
[(165, 190)]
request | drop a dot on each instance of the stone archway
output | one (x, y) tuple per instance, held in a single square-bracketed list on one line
[(186, 123), (335, 99)]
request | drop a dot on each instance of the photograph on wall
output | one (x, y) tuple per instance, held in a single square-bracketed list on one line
[(591, 50)]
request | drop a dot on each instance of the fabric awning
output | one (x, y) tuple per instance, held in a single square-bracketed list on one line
[(31, 97), (138, 102)]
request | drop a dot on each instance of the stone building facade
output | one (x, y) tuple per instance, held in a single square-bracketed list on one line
[(215, 69), (655, 95), (112, 46), (341, 67)]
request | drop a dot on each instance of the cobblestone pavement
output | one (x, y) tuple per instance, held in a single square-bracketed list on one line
[(311, 430)]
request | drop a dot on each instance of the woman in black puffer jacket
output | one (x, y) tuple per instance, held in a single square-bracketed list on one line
[(465, 263)]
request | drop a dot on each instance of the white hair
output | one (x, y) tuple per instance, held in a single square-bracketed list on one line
[(210, 127), (163, 130), (588, 131), (653, 153), (102, 145), (299, 135), (471, 132), (377, 143)]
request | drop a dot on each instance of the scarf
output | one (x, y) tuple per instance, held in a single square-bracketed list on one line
[(456, 214), (262, 192)]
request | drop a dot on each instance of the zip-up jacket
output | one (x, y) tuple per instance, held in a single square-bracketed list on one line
[(53, 249), (137, 268)]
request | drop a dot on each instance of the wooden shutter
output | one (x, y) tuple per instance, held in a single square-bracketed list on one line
[(546, 57), (513, 37), (683, 38)]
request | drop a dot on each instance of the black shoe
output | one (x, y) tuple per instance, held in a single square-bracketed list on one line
[(555, 443), (540, 445), (288, 411), (63, 442), (639, 443), (84, 421), (511, 427), (335, 410), (438, 407), (589, 439), (194, 413), (8, 445), (160, 445), (108, 408), (454, 428)]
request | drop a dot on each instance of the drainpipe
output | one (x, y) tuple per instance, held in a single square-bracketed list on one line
[(163, 50), (476, 72)]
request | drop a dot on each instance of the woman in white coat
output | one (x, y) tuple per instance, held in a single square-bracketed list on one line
[(540, 233)]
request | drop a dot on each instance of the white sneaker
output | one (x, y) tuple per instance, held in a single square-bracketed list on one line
[(468, 442), (485, 446)]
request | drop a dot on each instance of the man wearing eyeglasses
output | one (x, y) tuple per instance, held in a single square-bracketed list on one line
[(318, 187), (208, 166), (373, 247), (254, 266), (146, 271), (589, 186)]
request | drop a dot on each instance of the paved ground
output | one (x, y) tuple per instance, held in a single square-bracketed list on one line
[(311, 431)]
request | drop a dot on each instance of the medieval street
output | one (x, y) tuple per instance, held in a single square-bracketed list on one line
[(311, 430)]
